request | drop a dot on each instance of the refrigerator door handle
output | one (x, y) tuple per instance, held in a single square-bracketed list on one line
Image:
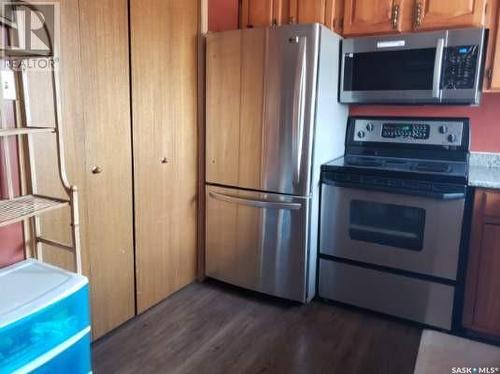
[(299, 104), (255, 202)]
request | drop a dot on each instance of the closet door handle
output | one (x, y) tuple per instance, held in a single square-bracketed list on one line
[(96, 170)]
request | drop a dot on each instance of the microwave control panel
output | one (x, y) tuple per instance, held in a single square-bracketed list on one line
[(459, 68), (432, 132)]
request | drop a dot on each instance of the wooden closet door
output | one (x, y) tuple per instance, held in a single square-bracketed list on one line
[(106, 106), (436, 14), (94, 71), (164, 104), (372, 16)]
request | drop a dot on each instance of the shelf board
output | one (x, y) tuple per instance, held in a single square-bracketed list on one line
[(22, 54), (26, 131), (23, 207)]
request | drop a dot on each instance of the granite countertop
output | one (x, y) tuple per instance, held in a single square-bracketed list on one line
[(484, 170)]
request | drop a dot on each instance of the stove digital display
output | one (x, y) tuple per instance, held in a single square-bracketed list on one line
[(405, 130)]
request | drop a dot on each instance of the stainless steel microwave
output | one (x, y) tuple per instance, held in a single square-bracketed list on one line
[(439, 67)]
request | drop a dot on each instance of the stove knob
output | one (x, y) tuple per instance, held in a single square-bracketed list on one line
[(443, 129), (369, 127), (452, 138), (361, 134)]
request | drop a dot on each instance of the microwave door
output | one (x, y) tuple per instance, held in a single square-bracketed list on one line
[(405, 69)]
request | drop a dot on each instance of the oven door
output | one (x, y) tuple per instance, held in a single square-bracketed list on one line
[(417, 234)]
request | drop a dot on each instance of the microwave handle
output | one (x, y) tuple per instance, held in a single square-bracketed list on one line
[(438, 67)]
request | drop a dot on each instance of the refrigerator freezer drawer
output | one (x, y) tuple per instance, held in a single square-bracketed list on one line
[(414, 299), (257, 241)]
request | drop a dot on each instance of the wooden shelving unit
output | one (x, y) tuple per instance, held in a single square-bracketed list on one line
[(24, 207), (29, 207)]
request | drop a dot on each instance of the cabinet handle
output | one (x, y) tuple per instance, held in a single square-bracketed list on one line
[(489, 74), (419, 13), (96, 170), (395, 16)]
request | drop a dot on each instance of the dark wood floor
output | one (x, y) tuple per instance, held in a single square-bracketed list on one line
[(211, 328)]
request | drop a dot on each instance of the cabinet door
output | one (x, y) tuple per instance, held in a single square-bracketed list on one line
[(164, 102), (327, 12), (487, 301), (310, 11), (106, 105), (492, 66), (482, 296), (334, 15), (257, 13), (435, 14), (372, 16)]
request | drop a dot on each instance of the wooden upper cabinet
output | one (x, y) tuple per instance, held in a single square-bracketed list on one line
[(492, 65), (439, 14), (372, 16), (327, 12), (308, 11), (257, 13)]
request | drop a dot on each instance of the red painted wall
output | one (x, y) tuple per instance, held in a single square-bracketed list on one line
[(11, 237), (222, 15), (485, 119)]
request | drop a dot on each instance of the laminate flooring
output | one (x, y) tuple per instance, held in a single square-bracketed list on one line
[(214, 328)]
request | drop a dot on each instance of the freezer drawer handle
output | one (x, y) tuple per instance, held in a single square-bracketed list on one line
[(254, 202)]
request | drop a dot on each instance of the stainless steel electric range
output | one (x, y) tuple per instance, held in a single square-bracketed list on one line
[(392, 217)]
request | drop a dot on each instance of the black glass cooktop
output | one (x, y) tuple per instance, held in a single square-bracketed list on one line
[(389, 165)]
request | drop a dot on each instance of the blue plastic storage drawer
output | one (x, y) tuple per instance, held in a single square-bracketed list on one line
[(71, 357), (41, 307)]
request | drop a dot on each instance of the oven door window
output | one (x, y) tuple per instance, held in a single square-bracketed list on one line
[(387, 224), (403, 70)]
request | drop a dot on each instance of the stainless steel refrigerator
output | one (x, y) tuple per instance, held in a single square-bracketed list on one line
[(272, 118)]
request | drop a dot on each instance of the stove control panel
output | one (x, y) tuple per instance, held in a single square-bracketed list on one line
[(432, 132)]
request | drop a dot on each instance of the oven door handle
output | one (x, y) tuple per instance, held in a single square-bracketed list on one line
[(403, 191)]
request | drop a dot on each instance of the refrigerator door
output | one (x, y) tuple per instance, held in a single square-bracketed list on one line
[(260, 108), (257, 241)]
